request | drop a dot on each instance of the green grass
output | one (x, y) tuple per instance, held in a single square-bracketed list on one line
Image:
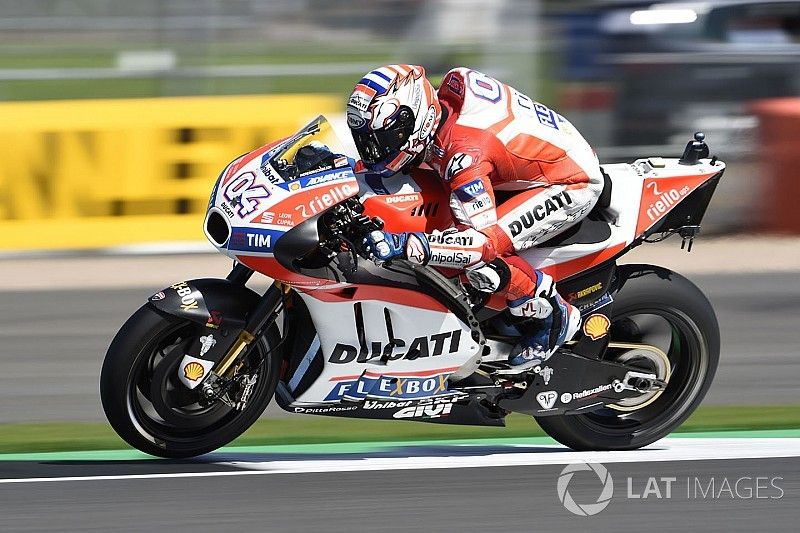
[(213, 53), (60, 436)]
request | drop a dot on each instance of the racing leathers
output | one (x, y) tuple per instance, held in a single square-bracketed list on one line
[(495, 141)]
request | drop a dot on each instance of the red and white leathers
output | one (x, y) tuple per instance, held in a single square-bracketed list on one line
[(495, 138)]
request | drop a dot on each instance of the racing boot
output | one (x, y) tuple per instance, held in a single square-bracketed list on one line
[(557, 322)]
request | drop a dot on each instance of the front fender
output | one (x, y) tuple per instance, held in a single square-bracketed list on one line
[(207, 301)]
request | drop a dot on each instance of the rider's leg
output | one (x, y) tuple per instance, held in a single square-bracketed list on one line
[(531, 217), (532, 294)]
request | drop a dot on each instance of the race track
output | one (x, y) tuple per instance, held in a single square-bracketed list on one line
[(53, 343), (711, 483), (52, 348)]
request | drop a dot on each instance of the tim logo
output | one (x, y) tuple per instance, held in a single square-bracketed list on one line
[(473, 189)]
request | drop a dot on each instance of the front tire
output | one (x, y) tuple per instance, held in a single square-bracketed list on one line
[(150, 408), (651, 303)]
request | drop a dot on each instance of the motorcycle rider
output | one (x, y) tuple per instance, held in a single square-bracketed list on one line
[(481, 137)]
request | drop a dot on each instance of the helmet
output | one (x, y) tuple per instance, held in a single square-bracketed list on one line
[(393, 114)]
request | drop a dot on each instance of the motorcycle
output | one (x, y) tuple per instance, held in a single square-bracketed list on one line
[(336, 334)]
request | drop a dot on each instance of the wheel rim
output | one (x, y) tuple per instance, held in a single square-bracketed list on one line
[(161, 408), (649, 359), (676, 334)]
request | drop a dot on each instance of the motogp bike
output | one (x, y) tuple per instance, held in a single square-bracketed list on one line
[(337, 335)]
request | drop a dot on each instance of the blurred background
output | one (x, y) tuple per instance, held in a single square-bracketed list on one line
[(161, 85), (116, 117)]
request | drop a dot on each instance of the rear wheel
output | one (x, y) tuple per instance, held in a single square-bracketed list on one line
[(153, 411), (656, 307)]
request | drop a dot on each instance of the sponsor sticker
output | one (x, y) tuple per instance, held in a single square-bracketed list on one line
[(596, 326), (427, 124), (539, 212), (458, 163), (547, 399), (424, 411), (389, 387), (447, 342), (192, 370), (355, 121), (361, 97), (454, 84), (594, 306), (401, 198), (206, 343), (545, 372), (189, 297), (323, 410), (253, 239), (473, 189), (214, 319)]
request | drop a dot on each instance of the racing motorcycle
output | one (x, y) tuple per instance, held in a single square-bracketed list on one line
[(336, 334)]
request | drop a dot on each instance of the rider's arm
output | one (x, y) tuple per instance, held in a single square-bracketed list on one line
[(472, 201)]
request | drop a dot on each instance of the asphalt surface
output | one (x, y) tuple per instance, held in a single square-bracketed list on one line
[(723, 495), (52, 345)]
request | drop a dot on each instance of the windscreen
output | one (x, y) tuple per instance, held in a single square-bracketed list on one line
[(314, 149)]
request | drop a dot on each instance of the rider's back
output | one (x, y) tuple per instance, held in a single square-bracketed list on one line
[(517, 142)]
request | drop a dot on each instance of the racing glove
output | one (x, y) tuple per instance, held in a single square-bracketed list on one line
[(385, 246)]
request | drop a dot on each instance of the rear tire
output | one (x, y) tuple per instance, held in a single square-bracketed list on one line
[(140, 371), (644, 290)]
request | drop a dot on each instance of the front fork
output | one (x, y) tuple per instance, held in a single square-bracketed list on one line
[(258, 320)]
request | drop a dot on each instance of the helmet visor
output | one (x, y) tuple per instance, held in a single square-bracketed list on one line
[(384, 144)]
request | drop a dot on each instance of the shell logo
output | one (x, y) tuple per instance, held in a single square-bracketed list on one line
[(193, 371), (596, 326)]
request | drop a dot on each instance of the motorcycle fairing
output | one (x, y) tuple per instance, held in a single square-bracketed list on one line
[(461, 409), (417, 202), (384, 343), (262, 195), (634, 210)]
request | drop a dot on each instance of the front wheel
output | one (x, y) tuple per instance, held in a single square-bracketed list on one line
[(153, 411), (653, 306)]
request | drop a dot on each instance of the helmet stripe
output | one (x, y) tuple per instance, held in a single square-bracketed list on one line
[(376, 79), (373, 85), (380, 75)]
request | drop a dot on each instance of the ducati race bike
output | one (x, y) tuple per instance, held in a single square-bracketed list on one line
[(337, 335)]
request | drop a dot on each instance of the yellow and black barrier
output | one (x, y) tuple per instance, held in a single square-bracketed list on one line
[(100, 173)]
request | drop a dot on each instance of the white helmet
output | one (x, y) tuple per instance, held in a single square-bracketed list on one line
[(393, 114)]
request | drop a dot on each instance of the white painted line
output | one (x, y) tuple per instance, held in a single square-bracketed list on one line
[(677, 449)]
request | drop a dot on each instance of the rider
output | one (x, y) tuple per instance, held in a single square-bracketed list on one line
[(482, 137)]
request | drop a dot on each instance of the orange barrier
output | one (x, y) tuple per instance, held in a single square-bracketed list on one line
[(779, 131)]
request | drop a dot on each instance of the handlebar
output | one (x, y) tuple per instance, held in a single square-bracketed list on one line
[(348, 227)]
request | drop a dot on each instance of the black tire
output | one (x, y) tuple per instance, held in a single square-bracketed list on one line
[(136, 359), (644, 290)]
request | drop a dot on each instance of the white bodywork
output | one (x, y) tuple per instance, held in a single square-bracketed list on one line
[(447, 345), (628, 181)]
